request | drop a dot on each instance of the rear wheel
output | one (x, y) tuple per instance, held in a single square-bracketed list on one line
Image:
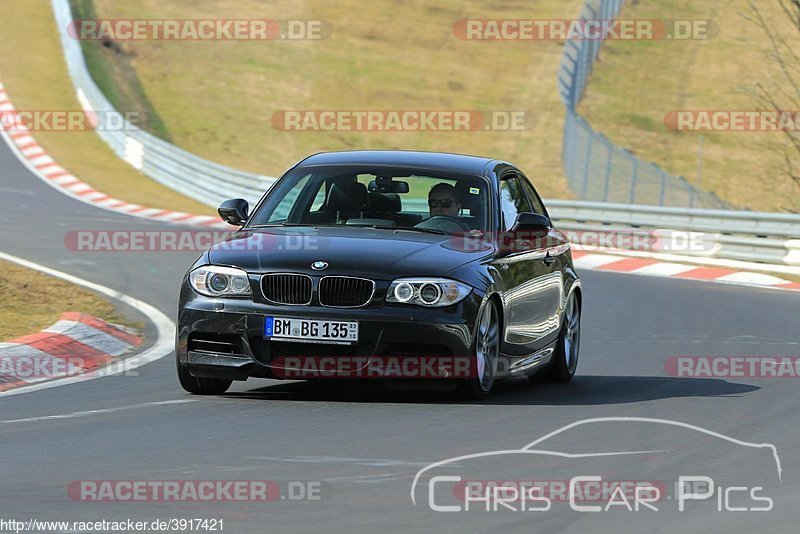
[(485, 355), (200, 386), (565, 357)]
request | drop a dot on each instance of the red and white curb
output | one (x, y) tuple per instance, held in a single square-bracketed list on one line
[(37, 160), (163, 334), (76, 344), (595, 261)]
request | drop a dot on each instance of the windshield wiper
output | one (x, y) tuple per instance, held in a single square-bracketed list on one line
[(378, 226), (413, 229), (271, 225)]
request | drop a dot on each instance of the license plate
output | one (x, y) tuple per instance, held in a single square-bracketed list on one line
[(288, 328)]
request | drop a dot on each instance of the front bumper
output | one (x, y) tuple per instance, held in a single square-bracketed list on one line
[(224, 338)]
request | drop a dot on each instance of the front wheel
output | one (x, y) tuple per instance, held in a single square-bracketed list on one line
[(200, 386), (485, 354), (565, 357)]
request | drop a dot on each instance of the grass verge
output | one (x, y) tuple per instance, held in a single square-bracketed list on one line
[(33, 301), (217, 98), (33, 70)]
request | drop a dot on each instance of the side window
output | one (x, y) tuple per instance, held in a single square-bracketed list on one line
[(513, 201), (536, 202)]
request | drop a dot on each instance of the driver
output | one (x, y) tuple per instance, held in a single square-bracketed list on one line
[(442, 200)]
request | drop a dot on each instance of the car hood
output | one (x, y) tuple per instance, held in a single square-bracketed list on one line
[(370, 252)]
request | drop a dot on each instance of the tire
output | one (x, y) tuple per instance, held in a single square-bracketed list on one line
[(200, 386), (565, 358), (486, 354)]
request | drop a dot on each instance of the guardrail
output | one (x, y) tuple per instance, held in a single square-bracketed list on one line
[(193, 176), (772, 238), (761, 237), (596, 168)]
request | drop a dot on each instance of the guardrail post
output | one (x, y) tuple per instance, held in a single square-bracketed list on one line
[(581, 72), (573, 74), (577, 89), (586, 165), (608, 169), (663, 186), (592, 44), (634, 178), (568, 143)]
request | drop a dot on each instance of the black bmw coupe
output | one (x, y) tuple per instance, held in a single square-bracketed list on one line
[(384, 265)]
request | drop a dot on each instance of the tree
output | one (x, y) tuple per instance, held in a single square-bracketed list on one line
[(780, 90)]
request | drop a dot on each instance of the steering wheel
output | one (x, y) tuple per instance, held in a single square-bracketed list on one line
[(444, 223)]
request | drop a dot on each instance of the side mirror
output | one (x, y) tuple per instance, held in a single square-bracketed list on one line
[(234, 211), (532, 222)]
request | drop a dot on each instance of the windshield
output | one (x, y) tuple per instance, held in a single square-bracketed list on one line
[(396, 198)]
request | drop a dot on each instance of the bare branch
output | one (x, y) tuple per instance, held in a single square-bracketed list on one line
[(781, 92)]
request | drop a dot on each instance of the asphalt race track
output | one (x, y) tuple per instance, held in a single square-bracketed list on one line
[(364, 446)]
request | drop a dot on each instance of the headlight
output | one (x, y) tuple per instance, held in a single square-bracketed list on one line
[(218, 281), (431, 292)]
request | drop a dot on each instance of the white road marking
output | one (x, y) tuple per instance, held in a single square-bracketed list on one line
[(369, 479), (370, 462), (86, 413), (76, 262), (8, 190)]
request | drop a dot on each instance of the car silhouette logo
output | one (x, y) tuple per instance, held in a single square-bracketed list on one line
[(319, 265)]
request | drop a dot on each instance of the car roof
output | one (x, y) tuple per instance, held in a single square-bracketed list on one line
[(402, 158)]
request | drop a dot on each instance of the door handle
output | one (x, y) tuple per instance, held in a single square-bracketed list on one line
[(548, 259)]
